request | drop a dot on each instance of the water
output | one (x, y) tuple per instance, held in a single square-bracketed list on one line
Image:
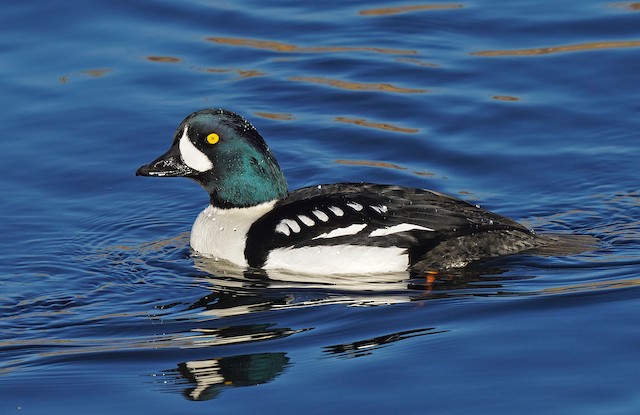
[(528, 108)]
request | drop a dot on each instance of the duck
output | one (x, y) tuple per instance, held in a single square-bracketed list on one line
[(254, 221)]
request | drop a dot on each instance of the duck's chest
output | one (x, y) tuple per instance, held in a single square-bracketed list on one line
[(222, 233)]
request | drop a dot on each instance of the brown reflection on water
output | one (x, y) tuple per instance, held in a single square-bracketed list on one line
[(383, 164), (94, 73), (417, 62), (505, 98), (370, 163), (559, 49), (382, 126), (242, 73), (424, 173), (289, 48), (163, 59), (358, 86), (406, 9), (628, 6), (593, 286), (275, 116)]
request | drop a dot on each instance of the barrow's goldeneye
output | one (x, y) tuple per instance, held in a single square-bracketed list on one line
[(254, 221)]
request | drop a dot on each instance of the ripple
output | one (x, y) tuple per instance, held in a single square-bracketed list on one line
[(382, 164), (379, 125), (97, 73), (593, 286), (242, 73), (505, 98), (417, 62), (368, 346), (370, 163), (385, 11), (164, 59), (358, 86), (580, 47), (275, 116), (93, 73), (291, 48)]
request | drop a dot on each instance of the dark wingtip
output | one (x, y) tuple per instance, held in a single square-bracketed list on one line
[(556, 244)]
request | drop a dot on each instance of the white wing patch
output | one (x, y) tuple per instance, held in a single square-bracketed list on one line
[(286, 226), (321, 215), (355, 206), (306, 220), (191, 156), (349, 230), (283, 229), (336, 210), (380, 208), (293, 225), (403, 227)]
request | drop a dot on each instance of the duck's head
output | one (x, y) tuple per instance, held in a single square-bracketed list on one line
[(226, 155)]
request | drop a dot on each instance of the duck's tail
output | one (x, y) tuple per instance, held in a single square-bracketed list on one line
[(559, 244)]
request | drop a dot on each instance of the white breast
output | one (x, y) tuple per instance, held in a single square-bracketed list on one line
[(222, 233)]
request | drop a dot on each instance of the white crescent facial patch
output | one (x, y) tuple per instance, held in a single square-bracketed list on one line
[(191, 156)]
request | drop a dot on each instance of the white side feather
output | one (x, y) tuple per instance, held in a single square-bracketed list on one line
[(338, 259)]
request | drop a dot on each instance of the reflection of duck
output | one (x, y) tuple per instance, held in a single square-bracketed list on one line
[(339, 228), (221, 336), (210, 377), (235, 292), (242, 294), (365, 347)]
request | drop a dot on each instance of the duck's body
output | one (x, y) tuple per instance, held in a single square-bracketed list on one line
[(253, 221), (350, 226)]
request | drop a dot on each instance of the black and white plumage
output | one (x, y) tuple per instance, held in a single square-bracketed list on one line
[(391, 221), (253, 221)]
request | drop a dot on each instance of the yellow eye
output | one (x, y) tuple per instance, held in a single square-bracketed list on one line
[(213, 138)]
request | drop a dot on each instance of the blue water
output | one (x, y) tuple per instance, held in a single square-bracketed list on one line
[(529, 108)]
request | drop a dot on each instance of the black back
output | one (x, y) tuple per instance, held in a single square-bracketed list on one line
[(377, 206)]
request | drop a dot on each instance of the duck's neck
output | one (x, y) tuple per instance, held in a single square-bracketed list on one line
[(247, 187), (249, 202)]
